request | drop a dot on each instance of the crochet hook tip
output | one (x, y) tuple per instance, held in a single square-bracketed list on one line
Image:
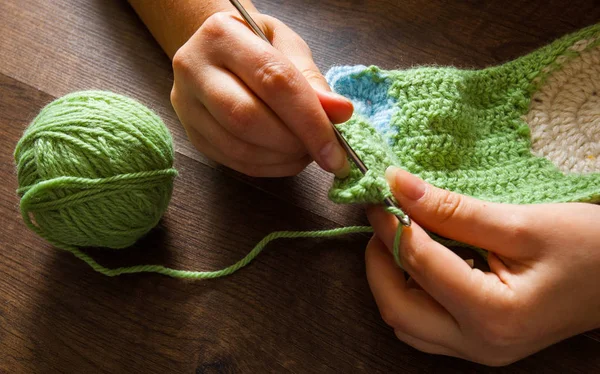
[(398, 212)]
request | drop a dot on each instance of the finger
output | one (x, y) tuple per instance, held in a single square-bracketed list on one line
[(196, 117), (244, 115), (425, 346), (491, 226), (253, 170), (410, 311), (438, 270), (270, 75)]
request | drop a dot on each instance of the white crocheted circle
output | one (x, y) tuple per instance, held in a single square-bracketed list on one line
[(564, 115)]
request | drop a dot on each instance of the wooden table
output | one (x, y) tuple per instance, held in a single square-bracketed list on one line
[(303, 305)]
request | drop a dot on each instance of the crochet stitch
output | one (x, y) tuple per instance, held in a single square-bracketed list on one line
[(524, 132)]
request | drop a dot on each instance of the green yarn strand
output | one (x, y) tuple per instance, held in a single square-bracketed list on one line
[(159, 269), (396, 247)]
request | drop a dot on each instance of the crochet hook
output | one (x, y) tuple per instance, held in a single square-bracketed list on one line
[(404, 219)]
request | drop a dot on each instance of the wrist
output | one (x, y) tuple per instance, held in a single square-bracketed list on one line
[(204, 9), (173, 23)]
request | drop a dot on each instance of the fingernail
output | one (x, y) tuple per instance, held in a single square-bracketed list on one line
[(334, 159), (403, 182), (336, 96)]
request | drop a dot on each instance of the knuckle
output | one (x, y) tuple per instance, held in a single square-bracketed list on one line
[(409, 257), (181, 61), (518, 227), (312, 74), (412, 256), (275, 76), (240, 118), (215, 26), (448, 206), (174, 97), (390, 317), (304, 46)]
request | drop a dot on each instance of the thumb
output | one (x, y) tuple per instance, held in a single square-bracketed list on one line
[(482, 224)]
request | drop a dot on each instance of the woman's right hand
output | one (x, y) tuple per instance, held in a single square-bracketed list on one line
[(259, 109)]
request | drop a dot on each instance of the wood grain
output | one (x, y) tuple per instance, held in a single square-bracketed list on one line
[(304, 305)]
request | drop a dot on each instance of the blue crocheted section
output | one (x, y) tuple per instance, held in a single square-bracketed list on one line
[(368, 91)]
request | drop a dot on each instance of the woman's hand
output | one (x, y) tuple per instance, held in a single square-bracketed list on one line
[(259, 109), (543, 284)]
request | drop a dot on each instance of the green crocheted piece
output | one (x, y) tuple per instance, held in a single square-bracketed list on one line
[(470, 131)]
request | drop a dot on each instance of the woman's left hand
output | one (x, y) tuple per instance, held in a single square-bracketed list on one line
[(543, 285)]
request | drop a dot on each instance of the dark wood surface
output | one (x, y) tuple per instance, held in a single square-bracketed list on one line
[(303, 305)]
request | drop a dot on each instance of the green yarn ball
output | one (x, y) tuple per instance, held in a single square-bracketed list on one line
[(95, 169)]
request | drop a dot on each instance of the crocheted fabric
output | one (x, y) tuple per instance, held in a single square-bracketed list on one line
[(524, 132)]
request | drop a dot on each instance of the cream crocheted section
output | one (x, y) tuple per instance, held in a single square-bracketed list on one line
[(564, 116)]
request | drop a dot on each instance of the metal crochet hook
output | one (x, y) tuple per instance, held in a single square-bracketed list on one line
[(404, 219)]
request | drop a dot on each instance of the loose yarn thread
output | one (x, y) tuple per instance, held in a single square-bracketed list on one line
[(159, 269)]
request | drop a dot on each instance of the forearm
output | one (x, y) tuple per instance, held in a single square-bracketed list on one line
[(172, 22)]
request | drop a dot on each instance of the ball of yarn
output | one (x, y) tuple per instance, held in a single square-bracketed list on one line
[(95, 169)]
